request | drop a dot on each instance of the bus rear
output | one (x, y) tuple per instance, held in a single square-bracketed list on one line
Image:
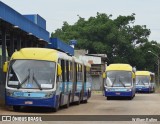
[(119, 81)]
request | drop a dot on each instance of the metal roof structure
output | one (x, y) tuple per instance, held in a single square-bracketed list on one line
[(60, 45), (16, 19)]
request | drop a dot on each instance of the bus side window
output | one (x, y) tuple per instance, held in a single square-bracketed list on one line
[(63, 70)]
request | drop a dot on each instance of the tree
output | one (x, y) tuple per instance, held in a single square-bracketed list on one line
[(119, 38)]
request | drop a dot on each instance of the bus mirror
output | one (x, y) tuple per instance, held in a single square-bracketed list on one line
[(104, 75), (5, 67), (59, 70)]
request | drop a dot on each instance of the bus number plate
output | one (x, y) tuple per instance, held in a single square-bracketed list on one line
[(118, 93), (28, 102)]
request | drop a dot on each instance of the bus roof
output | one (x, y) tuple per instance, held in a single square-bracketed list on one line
[(147, 73), (36, 54), (119, 67)]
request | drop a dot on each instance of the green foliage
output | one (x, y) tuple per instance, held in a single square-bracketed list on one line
[(119, 38)]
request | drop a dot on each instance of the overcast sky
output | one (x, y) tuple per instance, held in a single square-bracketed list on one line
[(57, 11)]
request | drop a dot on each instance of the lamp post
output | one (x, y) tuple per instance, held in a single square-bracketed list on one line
[(157, 63)]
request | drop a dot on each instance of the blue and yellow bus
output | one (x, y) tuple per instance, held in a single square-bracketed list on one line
[(119, 81), (145, 81), (45, 78)]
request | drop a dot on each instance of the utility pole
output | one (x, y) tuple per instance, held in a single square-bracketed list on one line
[(158, 72)]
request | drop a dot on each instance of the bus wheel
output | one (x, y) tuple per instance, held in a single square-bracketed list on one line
[(109, 98), (153, 90), (89, 94), (85, 101), (16, 108), (130, 98), (79, 100), (68, 101)]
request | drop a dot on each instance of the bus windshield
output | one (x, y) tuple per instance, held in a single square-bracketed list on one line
[(31, 74), (119, 79), (142, 80)]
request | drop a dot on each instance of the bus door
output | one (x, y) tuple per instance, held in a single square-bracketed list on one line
[(85, 80), (70, 76), (63, 78), (74, 86)]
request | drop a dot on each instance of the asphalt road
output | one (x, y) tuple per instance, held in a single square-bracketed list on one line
[(142, 104)]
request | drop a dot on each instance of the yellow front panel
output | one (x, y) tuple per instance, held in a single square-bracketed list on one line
[(36, 54), (147, 73), (119, 67)]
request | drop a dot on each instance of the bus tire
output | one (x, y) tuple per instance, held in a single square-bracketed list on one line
[(16, 108), (130, 98), (85, 101), (79, 100), (153, 90), (149, 91), (109, 97), (89, 94)]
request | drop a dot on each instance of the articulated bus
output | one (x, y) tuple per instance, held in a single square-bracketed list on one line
[(145, 81), (119, 81), (46, 78)]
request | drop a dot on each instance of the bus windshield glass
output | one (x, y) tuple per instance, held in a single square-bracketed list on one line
[(31, 74), (119, 79), (142, 80)]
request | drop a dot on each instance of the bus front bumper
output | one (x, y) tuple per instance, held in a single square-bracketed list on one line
[(115, 93), (39, 102), (143, 89), (119, 92)]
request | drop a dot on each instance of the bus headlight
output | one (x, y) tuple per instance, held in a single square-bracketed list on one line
[(146, 86), (9, 94), (49, 95), (129, 89), (107, 89)]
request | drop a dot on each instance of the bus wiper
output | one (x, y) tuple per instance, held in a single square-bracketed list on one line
[(36, 82), (27, 77), (138, 82), (121, 83), (143, 83), (114, 81)]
